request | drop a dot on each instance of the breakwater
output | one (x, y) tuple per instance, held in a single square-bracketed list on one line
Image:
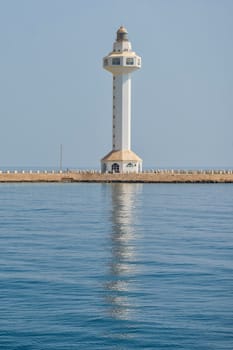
[(151, 176)]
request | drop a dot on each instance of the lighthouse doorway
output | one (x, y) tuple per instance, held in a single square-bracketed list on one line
[(115, 168)]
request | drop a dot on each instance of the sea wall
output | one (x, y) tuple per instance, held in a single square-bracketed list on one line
[(153, 176)]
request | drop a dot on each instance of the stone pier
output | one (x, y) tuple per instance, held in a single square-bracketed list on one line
[(152, 176)]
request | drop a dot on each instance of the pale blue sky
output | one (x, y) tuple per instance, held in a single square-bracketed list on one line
[(53, 88)]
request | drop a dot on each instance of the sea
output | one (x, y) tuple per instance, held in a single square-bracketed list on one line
[(116, 266)]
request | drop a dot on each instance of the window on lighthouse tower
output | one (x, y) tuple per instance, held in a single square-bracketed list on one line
[(129, 60), (116, 61)]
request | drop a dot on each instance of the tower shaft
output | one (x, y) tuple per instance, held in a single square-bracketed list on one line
[(121, 132)]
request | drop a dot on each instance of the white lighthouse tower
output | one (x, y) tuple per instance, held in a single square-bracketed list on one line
[(121, 62)]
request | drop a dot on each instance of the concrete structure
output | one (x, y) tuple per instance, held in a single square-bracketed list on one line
[(121, 62), (156, 176)]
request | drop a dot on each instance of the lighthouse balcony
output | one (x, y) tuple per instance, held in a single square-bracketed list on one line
[(122, 63)]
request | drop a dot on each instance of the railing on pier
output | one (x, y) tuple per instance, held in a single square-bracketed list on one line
[(149, 171)]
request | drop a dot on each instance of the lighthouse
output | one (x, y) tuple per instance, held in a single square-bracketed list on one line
[(121, 62)]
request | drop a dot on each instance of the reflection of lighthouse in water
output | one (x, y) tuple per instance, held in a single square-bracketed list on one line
[(123, 262)]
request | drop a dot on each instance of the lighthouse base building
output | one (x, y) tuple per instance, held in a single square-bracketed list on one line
[(121, 62), (124, 161)]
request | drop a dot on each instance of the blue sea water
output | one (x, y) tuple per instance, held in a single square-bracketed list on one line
[(116, 266)]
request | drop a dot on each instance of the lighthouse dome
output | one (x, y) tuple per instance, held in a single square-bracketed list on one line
[(122, 34)]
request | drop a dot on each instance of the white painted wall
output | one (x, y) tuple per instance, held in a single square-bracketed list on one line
[(106, 167), (121, 126), (122, 46)]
